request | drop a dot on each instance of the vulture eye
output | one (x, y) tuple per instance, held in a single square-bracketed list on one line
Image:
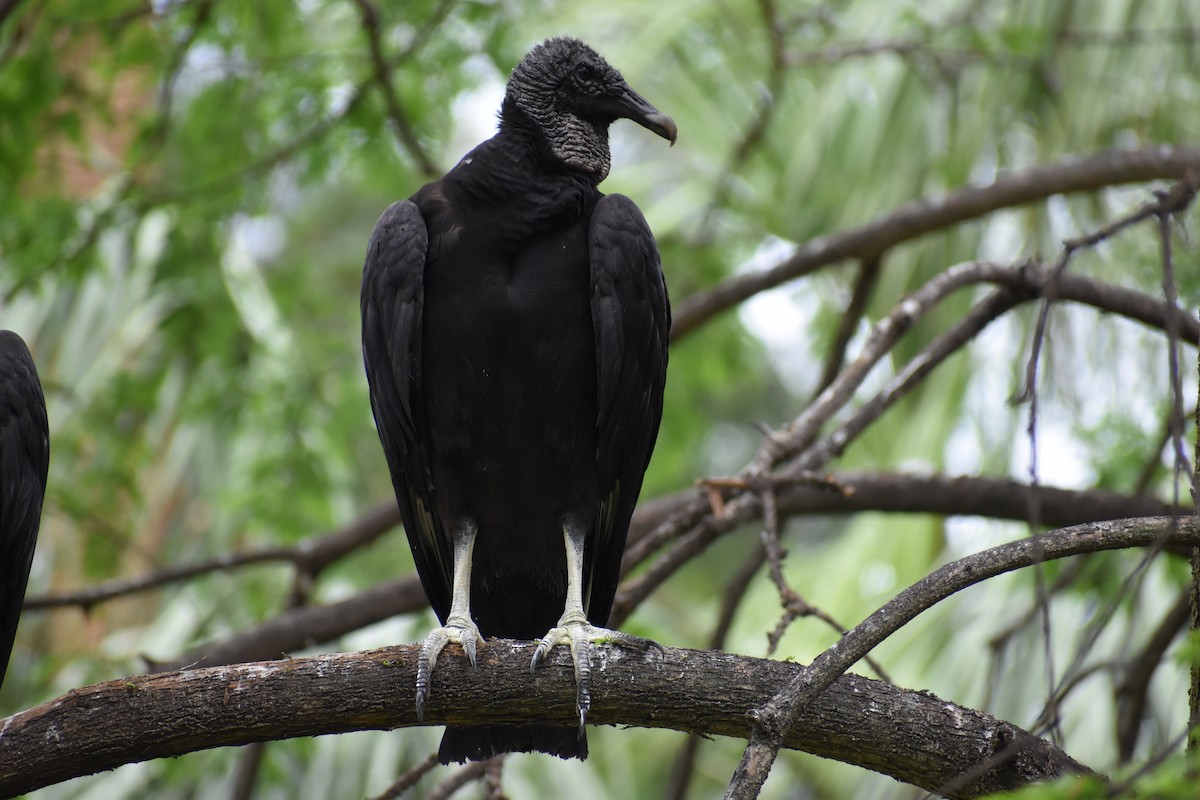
[(584, 73)]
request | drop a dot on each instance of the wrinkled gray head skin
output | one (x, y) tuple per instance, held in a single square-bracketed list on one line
[(571, 95)]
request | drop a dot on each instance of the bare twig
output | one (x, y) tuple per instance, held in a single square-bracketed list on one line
[(1154, 455), (1066, 578), (802, 431), (794, 605)]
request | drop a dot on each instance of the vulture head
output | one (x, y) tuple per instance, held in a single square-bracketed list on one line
[(569, 95)]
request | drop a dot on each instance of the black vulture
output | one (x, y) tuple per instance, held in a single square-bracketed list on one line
[(24, 457), (515, 324)]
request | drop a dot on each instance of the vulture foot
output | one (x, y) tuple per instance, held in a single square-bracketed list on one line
[(580, 635), (460, 630)]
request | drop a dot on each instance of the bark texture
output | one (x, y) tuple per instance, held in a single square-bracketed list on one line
[(912, 736)]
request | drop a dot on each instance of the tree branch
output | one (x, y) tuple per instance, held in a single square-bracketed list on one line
[(693, 522), (784, 708), (929, 214), (1134, 687), (310, 555), (307, 626), (372, 26), (911, 736)]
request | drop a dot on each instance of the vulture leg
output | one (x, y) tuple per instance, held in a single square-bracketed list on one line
[(574, 630), (459, 627)]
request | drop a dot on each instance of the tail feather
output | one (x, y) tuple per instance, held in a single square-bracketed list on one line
[(481, 742)]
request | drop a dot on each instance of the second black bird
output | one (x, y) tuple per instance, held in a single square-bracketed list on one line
[(24, 459), (515, 325)]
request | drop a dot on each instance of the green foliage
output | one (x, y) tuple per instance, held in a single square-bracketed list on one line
[(186, 190)]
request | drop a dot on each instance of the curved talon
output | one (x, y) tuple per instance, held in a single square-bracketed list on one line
[(581, 655), (421, 695), (468, 646)]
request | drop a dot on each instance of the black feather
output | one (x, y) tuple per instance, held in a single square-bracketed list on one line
[(515, 328), (24, 458)]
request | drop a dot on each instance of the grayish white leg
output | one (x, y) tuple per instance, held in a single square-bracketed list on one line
[(459, 626), (574, 630)]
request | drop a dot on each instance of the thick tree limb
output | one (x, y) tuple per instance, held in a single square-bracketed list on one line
[(929, 214), (912, 736)]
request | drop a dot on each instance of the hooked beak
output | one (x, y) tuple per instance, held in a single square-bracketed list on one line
[(628, 104)]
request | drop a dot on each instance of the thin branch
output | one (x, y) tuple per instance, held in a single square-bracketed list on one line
[(935, 353), (1066, 578), (929, 214), (754, 131), (383, 76), (802, 431), (409, 779), (460, 778), (1165, 203), (1121, 789), (1193, 738), (307, 626), (302, 141), (7, 7), (1133, 689), (794, 605), (784, 708), (864, 284), (161, 126), (310, 555), (1154, 460), (1033, 519), (246, 770), (1172, 202)]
